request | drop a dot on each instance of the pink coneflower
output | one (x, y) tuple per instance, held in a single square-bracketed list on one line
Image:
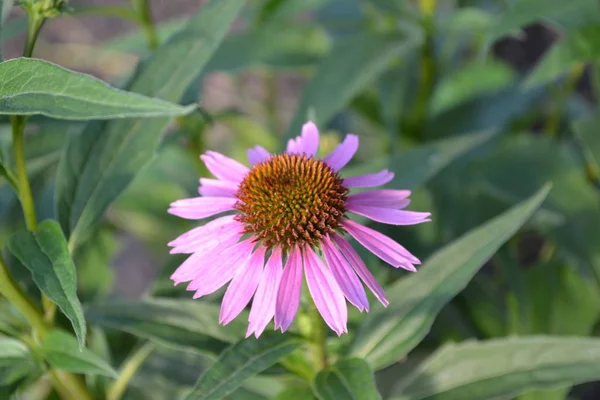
[(285, 210)]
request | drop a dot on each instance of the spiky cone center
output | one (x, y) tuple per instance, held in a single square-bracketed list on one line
[(291, 200)]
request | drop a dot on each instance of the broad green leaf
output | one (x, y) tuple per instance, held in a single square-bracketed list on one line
[(60, 350), (387, 336), (502, 368), (241, 361), (352, 63), (350, 379), (431, 159), (99, 163), (188, 323), (296, 393), (471, 80), (45, 254), (575, 49), (31, 87)]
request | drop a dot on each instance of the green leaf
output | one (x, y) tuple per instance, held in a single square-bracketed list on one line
[(431, 159), (502, 368), (351, 64), (189, 323), (45, 254), (16, 364), (31, 87), (61, 351), (101, 161), (524, 12), (350, 379), (577, 48), (240, 362), (388, 335), (471, 80)]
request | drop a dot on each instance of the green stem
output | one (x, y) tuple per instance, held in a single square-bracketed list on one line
[(553, 121), (146, 22), (319, 338), (18, 127), (129, 369), (15, 295), (35, 23)]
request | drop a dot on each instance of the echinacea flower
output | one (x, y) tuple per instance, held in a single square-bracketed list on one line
[(283, 211)]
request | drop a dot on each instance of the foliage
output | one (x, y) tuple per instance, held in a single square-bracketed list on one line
[(503, 151)]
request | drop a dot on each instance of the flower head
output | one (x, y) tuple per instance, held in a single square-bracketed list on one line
[(283, 211)]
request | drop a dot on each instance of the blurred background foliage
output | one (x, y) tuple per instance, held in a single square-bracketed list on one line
[(475, 104)]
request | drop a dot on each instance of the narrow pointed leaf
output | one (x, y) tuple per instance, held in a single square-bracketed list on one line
[(31, 87), (101, 161), (240, 362), (387, 336), (350, 379), (183, 323), (44, 253), (502, 368), (60, 350)]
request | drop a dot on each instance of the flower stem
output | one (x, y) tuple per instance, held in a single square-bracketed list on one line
[(319, 338), (146, 22), (18, 127), (130, 367)]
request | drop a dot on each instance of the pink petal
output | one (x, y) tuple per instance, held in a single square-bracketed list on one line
[(369, 180), (361, 269), (200, 262), (242, 287), (263, 305), (210, 228), (325, 292), (217, 188), (345, 276), (257, 155), (288, 294), (228, 238), (390, 216), (343, 153), (293, 145), (201, 207), (388, 198), (221, 269), (381, 245), (224, 167), (310, 139)]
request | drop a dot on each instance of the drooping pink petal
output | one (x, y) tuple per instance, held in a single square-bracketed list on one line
[(344, 275), (325, 292), (257, 154), (263, 305), (217, 188), (389, 216), (343, 153), (369, 180), (388, 198), (361, 269), (201, 207), (288, 294), (200, 263), (208, 229), (230, 237), (242, 287), (223, 268), (382, 246), (309, 140), (224, 167)]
